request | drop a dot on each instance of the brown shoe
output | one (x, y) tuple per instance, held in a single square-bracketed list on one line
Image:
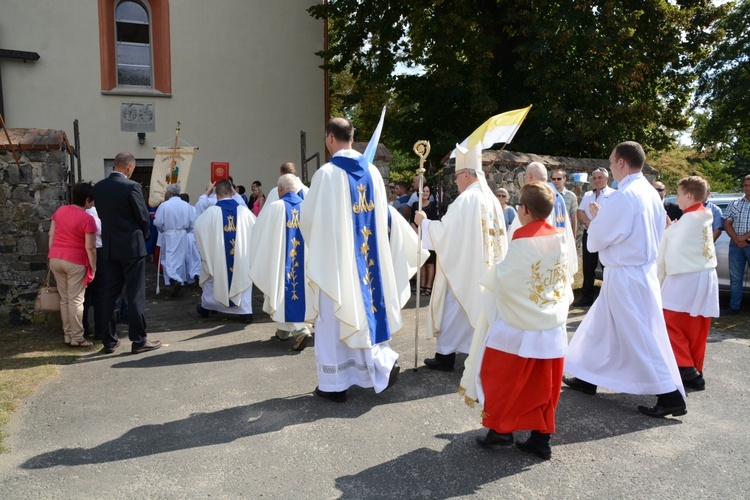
[(149, 345), (110, 350)]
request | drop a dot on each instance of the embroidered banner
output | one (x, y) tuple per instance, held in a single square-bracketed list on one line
[(366, 244), (294, 269), (164, 173)]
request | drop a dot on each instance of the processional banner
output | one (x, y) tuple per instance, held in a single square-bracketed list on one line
[(171, 166)]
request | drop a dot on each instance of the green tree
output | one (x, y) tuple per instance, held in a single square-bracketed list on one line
[(597, 72), (722, 123)]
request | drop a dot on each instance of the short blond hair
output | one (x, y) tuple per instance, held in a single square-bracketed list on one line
[(695, 185), (538, 199)]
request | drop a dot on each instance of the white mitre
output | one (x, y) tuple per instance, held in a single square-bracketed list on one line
[(469, 158)]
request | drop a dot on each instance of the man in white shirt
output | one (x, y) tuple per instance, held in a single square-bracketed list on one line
[(598, 195), (622, 343)]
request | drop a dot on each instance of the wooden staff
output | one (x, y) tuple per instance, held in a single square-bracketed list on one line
[(12, 148), (422, 150), (172, 178)]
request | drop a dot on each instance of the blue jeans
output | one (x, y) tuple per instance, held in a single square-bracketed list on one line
[(739, 258)]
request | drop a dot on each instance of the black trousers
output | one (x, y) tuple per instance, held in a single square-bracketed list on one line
[(590, 261), (130, 273)]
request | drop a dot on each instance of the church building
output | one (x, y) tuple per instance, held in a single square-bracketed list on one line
[(241, 77)]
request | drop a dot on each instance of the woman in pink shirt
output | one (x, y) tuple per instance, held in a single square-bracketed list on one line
[(72, 259), (258, 197)]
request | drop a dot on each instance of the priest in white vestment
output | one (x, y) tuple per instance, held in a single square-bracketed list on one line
[(174, 219), (469, 241), (277, 264), (689, 285), (350, 267), (299, 188), (515, 367), (622, 343), (222, 234), (558, 218)]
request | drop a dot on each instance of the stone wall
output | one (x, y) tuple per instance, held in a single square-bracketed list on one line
[(27, 200)]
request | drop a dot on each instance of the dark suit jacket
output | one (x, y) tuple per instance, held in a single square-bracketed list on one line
[(125, 220)]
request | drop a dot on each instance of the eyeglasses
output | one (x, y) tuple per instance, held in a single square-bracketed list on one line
[(558, 178), (502, 196), (660, 189), (391, 186)]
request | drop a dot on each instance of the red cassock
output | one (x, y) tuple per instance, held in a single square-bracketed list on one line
[(520, 393), (688, 335)]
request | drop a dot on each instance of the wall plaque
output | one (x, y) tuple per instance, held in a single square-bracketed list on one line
[(137, 117)]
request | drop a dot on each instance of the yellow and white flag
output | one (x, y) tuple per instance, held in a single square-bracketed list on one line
[(166, 171), (499, 128)]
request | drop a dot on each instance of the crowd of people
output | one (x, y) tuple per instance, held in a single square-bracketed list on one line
[(335, 261)]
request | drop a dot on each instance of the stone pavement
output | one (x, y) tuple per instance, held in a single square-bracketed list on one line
[(226, 411)]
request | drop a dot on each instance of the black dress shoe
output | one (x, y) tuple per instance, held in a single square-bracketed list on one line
[(202, 311), (393, 377), (584, 302), (697, 384), (336, 397), (149, 345), (541, 450), (176, 289), (444, 362), (729, 312), (494, 439), (111, 349), (246, 318), (659, 411), (580, 385)]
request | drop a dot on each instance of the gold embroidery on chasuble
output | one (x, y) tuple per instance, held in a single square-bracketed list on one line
[(294, 223), (491, 234), (560, 219), (547, 286), (232, 242), (362, 204), (230, 224), (292, 275), (365, 250), (709, 250)]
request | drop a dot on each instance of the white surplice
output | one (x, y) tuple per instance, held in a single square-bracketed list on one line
[(344, 351), (687, 266), (622, 343), (567, 232), (525, 302), (469, 240), (174, 219), (268, 262), (209, 236)]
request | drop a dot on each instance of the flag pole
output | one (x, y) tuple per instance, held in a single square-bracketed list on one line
[(422, 149)]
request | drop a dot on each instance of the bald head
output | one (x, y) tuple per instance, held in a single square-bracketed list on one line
[(535, 171), (660, 188), (287, 184)]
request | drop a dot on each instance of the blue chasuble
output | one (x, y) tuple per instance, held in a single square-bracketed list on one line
[(294, 272), (229, 218), (366, 244), (559, 208)]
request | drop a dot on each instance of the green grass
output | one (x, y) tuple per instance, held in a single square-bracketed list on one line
[(31, 354)]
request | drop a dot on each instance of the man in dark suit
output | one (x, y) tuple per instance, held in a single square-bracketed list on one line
[(125, 227)]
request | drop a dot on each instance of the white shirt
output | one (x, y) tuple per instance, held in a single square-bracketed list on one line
[(600, 198)]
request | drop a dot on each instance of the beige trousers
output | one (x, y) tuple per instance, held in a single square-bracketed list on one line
[(69, 278)]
